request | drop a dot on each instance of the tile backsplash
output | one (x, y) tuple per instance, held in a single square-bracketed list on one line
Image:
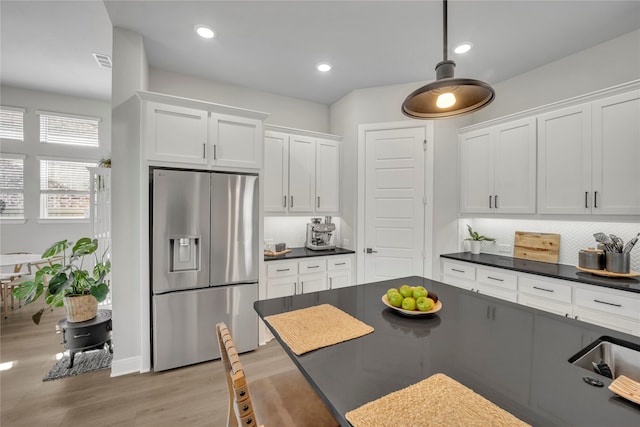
[(574, 235), (292, 230)]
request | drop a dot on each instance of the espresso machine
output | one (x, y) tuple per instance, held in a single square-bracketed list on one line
[(319, 235)]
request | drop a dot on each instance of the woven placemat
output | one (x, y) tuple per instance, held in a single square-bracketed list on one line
[(316, 327), (435, 401)]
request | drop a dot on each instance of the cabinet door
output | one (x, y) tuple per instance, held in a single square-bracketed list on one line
[(616, 155), (515, 167), (276, 172), (476, 171), (313, 283), (301, 174), (282, 287), (327, 176), (175, 134), (235, 141), (339, 279), (564, 161)]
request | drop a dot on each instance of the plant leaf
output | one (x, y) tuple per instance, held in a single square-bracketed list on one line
[(100, 291), (58, 283), (85, 246), (36, 317), (55, 249)]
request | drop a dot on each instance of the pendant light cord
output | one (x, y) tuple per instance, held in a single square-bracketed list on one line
[(444, 29)]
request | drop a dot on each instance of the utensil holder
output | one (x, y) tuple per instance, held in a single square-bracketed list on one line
[(618, 262)]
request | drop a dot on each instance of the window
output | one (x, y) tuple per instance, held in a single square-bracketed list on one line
[(64, 189), (12, 123), (11, 187), (58, 128)]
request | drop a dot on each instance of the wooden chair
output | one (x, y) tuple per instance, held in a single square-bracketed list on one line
[(280, 400), (9, 281)]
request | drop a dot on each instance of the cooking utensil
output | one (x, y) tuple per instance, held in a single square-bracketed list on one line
[(605, 240), (616, 243), (627, 248)]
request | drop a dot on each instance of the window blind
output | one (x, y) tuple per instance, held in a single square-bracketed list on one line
[(64, 129), (12, 123), (64, 189), (11, 188)]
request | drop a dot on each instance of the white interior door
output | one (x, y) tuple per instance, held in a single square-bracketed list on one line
[(394, 206)]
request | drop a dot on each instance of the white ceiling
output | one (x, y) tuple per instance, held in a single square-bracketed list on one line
[(275, 45)]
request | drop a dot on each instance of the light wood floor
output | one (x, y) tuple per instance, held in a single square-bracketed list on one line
[(191, 396)]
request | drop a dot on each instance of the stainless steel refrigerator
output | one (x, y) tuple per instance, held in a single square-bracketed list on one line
[(204, 256)]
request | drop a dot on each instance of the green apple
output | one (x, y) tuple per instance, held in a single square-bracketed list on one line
[(391, 291), (395, 299), (406, 291), (424, 304), (409, 304), (419, 291)]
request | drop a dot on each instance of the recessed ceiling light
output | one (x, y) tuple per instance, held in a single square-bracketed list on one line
[(324, 67), (463, 47), (205, 32)]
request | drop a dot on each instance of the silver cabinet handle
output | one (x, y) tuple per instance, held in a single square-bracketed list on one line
[(543, 289), (595, 199), (283, 269), (490, 201), (284, 201), (459, 271), (204, 151), (340, 263), (313, 266), (494, 278), (290, 201), (214, 152), (318, 201), (495, 203), (586, 199), (607, 303)]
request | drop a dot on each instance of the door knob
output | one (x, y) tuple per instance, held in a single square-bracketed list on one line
[(371, 251)]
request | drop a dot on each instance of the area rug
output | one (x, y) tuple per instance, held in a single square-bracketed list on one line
[(88, 361)]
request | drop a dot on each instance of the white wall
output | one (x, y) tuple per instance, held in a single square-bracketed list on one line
[(35, 235), (130, 72), (283, 110)]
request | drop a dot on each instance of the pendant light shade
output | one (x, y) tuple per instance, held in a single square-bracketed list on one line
[(447, 96)]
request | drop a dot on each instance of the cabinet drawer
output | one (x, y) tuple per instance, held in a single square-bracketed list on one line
[(498, 279), (312, 266), (459, 271), (545, 289), (279, 269), (621, 305), (561, 309), (338, 264)]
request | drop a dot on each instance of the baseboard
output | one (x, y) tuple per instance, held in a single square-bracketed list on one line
[(126, 366)]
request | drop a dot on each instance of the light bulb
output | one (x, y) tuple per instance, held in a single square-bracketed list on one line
[(205, 32), (446, 100)]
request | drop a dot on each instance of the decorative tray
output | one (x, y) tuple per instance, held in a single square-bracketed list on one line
[(627, 388), (609, 273), (417, 313)]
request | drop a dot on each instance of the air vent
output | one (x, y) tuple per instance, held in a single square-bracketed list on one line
[(103, 61)]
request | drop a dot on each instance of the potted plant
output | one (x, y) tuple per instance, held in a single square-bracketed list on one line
[(475, 240), (68, 284)]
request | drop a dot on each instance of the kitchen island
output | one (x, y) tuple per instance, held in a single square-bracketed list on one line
[(513, 355)]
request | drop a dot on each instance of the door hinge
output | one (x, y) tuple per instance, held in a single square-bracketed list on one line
[(424, 200), (424, 145)]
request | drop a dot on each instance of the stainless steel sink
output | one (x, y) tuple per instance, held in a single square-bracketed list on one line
[(610, 357)]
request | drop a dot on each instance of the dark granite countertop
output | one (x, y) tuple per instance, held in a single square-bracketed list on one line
[(513, 355), (305, 253), (557, 271)]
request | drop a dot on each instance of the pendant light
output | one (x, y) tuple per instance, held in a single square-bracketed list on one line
[(447, 96)]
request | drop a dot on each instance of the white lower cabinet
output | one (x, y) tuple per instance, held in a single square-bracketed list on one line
[(339, 272), (614, 309)]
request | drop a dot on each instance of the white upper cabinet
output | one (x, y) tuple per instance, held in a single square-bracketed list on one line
[(276, 171), (235, 141), (327, 176), (498, 168), (616, 154), (589, 156), (175, 133), (564, 161), (301, 171), (185, 131)]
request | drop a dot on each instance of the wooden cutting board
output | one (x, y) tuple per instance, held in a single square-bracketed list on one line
[(543, 247)]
